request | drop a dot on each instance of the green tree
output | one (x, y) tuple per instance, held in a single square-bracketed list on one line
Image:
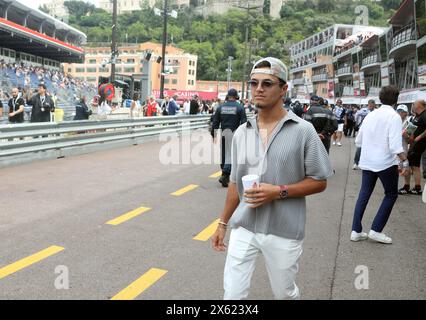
[(326, 5), (206, 66), (267, 7), (44, 8), (216, 37), (79, 8)]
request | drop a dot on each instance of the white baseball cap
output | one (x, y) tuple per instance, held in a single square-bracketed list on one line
[(402, 108), (276, 68)]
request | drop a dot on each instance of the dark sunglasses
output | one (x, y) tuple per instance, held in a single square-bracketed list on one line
[(266, 84)]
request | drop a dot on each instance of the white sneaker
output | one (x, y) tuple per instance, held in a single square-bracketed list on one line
[(334, 143), (355, 167), (355, 236), (379, 237), (339, 144)]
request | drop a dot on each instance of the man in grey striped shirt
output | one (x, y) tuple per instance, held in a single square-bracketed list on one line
[(287, 154)]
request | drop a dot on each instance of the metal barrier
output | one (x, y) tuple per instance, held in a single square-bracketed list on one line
[(31, 141)]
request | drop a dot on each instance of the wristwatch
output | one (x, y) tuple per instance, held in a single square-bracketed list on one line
[(404, 164), (283, 192)]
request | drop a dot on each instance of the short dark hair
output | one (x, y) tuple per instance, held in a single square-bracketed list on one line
[(42, 85), (389, 95)]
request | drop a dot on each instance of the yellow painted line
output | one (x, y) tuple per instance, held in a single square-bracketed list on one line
[(140, 285), (184, 190), (128, 216), (207, 232), (26, 262), (216, 175)]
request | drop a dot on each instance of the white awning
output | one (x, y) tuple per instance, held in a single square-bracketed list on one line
[(411, 96)]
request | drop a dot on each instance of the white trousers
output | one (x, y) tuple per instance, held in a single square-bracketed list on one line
[(281, 258)]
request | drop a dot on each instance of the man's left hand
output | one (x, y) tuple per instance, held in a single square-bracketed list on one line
[(264, 194)]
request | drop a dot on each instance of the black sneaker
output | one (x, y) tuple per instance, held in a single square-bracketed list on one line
[(225, 181), (404, 191), (416, 191)]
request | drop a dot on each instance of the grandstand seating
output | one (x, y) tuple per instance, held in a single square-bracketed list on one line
[(65, 89)]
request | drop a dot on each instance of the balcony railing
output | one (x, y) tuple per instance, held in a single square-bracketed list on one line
[(373, 58), (344, 70), (298, 81), (348, 91), (319, 77), (406, 34)]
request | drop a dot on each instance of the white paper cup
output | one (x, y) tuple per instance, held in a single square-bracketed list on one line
[(250, 180)]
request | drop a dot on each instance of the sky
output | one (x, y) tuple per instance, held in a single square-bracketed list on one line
[(36, 3)]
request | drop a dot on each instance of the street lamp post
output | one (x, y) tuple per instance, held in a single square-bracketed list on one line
[(229, 71), (165, 13), (163, 51), (113, 39), (248, 26)]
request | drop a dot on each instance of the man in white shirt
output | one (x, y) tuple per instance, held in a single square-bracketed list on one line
[(359, 118), (380, 139), (186, 106)]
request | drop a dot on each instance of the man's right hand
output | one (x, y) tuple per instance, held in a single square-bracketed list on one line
[(217, 239), (403, 171)]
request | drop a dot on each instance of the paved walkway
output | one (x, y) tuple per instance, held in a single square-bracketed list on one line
[(112, 219)]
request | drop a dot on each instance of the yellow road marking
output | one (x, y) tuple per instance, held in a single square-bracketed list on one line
[(128, 216), (207, 232), (184, 190), (216, 175), (140, 285), (26, 262)]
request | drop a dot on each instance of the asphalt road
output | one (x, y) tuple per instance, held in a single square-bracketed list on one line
[(67, 203)]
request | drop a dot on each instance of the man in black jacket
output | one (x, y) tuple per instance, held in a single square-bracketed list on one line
[(228, 117), (42, 105), (82, 111), (16, 107), (194, 106), (322, 119)]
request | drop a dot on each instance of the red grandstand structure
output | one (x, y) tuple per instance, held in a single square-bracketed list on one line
[(31, 36)]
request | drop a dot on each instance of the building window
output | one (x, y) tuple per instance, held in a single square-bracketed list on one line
[(91, 69), (174, 81), (79, 69), (103, 69), (91, 79), (130, 60), (189, 82), (129, 69), (192, 81), (92, 61), (69, 69), (166, 81)]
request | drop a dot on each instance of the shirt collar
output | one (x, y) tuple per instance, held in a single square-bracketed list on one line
[(386, 106), (290, 116)]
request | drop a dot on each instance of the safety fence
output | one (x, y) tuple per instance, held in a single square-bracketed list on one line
[(35, 141)]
